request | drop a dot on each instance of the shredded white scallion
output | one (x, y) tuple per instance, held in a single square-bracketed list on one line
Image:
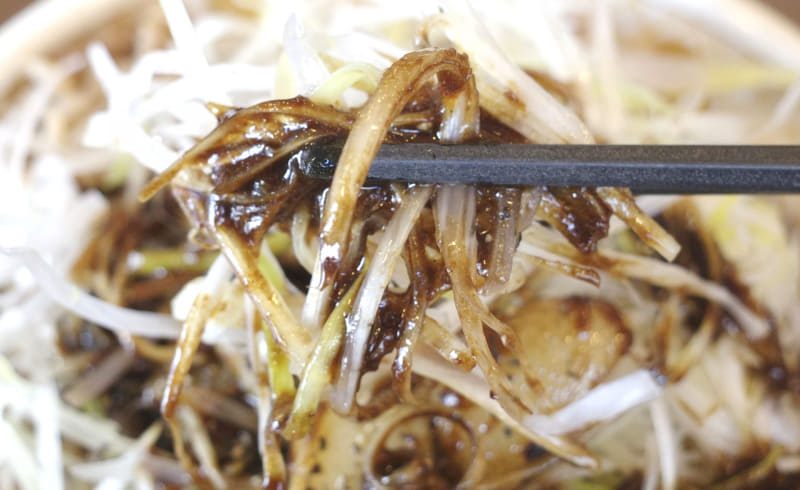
[(550, 123), (665, 441), (198, 435), (72, 298), (603, 402), (377, 279), (118, 472)]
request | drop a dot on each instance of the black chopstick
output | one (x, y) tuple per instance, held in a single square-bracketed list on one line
[(660, 169)]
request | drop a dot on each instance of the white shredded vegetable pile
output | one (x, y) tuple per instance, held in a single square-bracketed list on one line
[(686, 376)]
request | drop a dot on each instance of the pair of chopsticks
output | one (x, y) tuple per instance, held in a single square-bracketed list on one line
[(657, 169)]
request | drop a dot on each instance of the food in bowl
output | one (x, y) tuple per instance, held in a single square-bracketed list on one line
[(166, 255)]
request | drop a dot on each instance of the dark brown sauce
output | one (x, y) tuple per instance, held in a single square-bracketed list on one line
[(386, 329), (578, 213), (428, 450), (701, 254), (251, 191), (254, 191)]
